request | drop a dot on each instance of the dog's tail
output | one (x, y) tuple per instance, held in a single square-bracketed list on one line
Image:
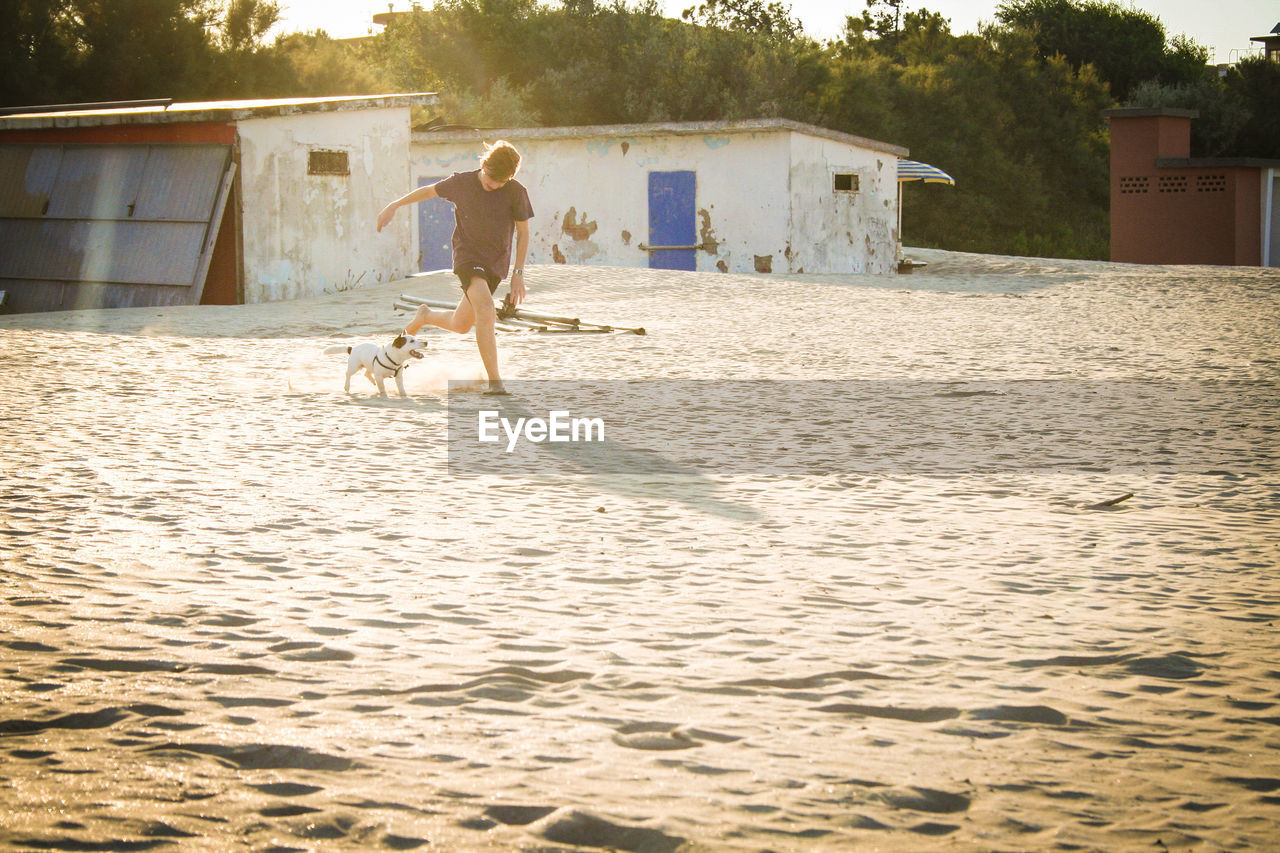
[(336, 348)]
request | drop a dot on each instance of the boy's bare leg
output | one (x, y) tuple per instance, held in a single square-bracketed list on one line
[(460, 321), (485, 317)]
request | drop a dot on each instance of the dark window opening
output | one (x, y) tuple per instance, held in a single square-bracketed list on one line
[(328, 163), (846, 183)]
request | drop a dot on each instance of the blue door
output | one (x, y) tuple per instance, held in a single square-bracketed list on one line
[(435, 232), (672, 221)]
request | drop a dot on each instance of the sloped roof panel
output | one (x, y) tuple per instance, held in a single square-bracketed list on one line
[(79, 250), (27, 175), (97, 182), (129, 216), (180, 182)]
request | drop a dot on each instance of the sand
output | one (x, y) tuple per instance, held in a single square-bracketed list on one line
[(242, 608)]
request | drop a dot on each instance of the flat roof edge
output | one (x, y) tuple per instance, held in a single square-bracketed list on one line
[(1217, 163), (217, 111), (1150, 112), (694, 128)]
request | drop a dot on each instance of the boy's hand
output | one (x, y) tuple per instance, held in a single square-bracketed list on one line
[(386, 215), (517, 288)]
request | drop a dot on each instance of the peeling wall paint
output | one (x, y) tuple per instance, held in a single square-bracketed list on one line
[(764, 197), (580, 248), (841, 232), (707, 234), (577, 230), (307, 234)]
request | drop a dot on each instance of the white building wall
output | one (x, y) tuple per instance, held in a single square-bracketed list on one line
[(841, 231), (590, 192), (304, 235), (765, 200)]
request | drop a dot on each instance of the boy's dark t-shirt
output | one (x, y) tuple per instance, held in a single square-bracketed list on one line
[(484, 220)]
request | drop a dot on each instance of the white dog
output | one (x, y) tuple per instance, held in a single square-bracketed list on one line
[(380, 362)]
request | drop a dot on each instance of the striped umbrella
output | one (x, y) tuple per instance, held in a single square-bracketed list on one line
[(910, 170)]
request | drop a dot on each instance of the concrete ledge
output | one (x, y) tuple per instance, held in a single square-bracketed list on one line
[(692, 128), (1216, 163), (1150, 112)]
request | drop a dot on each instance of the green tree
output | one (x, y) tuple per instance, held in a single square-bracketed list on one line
[(1239, 114), (93, 50), (139, 48), (245, 23), (1022, 136), (34, 52), (753, 16), (588, 64), (1222, 112), (300, 65), (1256, 82), (1127, 45), (884, 19)]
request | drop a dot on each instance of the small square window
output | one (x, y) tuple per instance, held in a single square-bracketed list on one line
[(846, 182), (328, 163)]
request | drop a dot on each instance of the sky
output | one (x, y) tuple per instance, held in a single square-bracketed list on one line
[(1223, 26)]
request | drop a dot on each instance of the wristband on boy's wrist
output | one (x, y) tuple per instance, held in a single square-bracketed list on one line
[(518, 271)]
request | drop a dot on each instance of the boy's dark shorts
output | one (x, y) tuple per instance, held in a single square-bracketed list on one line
[(466, 273)]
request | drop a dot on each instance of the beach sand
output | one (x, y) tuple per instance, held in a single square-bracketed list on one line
[(242, 608)]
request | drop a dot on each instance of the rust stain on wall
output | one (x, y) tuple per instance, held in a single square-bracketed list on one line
[(764, 263), (626, 146), (556, 254), (709, 242), (575, 229), (626, 235), (722, 266)]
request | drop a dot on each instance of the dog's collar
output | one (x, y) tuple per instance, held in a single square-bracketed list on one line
[(394, 367)]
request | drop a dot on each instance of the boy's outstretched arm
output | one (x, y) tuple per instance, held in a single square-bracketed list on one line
[(522, 250), (420, 194)]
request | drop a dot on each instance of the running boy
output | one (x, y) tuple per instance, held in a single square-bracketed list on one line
[(488, 204)]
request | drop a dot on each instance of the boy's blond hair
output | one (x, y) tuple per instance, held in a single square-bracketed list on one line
[(501, 160)]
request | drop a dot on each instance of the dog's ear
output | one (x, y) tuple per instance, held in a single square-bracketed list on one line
[(398, 342)]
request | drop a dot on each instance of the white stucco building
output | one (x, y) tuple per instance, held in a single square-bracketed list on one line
[(312, 185), (768, 195), (160, 203)]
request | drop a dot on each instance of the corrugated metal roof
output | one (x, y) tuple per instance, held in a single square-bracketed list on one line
[(106, 252), (179, 186), (97, 183), (82, 216)]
